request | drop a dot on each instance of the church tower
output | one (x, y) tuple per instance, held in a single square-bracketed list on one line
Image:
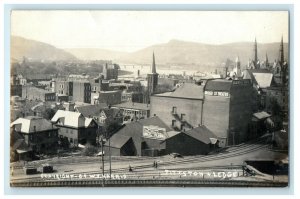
[(237, 68), (283, 64), (255, 61), (281, 53), (152, 78), (267, 65)]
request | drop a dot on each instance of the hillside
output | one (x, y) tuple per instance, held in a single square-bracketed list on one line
[(189, 53), (96, 54), (35, 50), (185, 53)]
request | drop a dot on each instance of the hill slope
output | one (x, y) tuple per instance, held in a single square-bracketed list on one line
[(186, 53), (36, 50), (177, 52)]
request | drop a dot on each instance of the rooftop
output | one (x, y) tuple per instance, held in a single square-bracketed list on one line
[(186, 90), (202, 134), (71, 119), (218, 85), (117, 141), (91, 110), (135, 128), (133, 105), (261, 77), (32, 124)]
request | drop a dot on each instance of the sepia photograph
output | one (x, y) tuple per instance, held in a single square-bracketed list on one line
[(148, 98)]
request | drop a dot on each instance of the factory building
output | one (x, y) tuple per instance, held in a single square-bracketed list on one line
[(227, 109), (181, 109)]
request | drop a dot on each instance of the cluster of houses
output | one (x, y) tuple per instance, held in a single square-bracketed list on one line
[(195, 118)]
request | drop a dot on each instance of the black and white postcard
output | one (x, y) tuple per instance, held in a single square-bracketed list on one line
[(114, 98)]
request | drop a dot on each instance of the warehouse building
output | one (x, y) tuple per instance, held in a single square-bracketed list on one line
[(152, 137), (227, 109), (181, 109)]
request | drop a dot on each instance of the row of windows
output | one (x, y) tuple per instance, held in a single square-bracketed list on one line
[(34, 136), (50, 97), (132, 112)]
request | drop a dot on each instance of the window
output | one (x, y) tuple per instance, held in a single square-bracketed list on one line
[(174, 110), (173, 123), (71, 140), (182, 117)]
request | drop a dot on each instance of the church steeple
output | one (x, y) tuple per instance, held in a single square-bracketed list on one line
[(153, 69), (267, 61), (281, 59), (238, 67), (255, 53), (152, 78)]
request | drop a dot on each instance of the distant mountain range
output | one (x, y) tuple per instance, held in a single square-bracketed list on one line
[(177, 52), (173, 53), (35, 50)]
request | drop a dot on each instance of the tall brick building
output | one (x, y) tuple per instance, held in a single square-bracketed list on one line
[(181, 109), (227, 109)]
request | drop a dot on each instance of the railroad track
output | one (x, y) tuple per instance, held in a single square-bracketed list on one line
[(178, 162), (87, 160), (150, 183)]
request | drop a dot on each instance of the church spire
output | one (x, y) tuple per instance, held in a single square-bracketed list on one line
[(255, 53), (281, 59), (153, 69), (267, 61)]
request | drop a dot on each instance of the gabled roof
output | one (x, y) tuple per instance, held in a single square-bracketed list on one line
[(111, 112), (136, 128), (32, 124), (117, 141), (218, 85), (170, 134), (71, 119), (186, 90), (261, 77), (155, 121), (201, 133), (263, 80), (91, 110)]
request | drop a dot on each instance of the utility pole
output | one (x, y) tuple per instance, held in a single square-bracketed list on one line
[(109, 158), (102, 157)]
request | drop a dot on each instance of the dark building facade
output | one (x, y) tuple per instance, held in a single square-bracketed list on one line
[(181, 109), (110, 71), (82, 91), (132, 111), (32, 93), (38, 134), (227, 109)]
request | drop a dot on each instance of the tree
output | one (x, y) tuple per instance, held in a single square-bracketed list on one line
[(276, 111), (49, 113), (89, 150)]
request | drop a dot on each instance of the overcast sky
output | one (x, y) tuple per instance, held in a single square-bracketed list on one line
[(133, 30)]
